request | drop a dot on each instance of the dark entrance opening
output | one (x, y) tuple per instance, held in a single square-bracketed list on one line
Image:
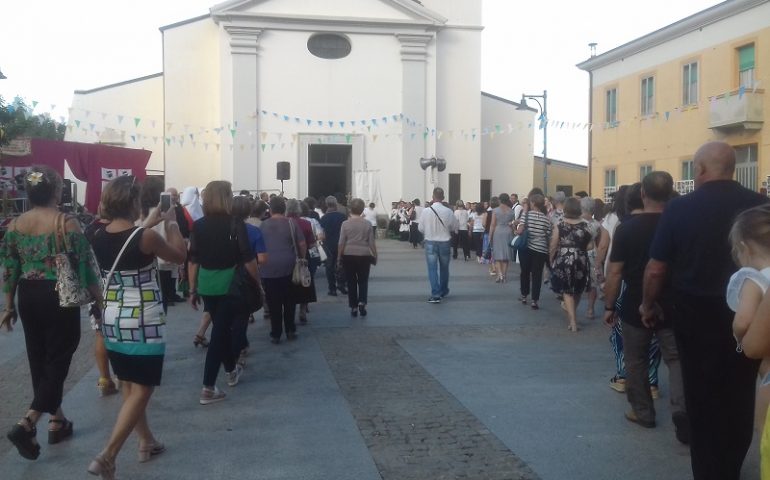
[(329, 170)]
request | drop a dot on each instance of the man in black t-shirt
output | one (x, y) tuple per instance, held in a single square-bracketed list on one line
[(331, 222), (691, 243), (630, 253)]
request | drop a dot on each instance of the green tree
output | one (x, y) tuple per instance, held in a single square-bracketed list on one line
[(17, 120)]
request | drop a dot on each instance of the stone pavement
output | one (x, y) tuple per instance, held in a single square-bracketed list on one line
[(478, 387)]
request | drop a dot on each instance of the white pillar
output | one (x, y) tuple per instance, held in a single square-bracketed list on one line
[(414, 52), (244, 162)]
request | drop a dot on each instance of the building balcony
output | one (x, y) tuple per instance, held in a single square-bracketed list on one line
[(737, 110)]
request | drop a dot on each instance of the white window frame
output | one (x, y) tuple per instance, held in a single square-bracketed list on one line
[(647, 101), (690, 83), (611, 115), (644, 170)]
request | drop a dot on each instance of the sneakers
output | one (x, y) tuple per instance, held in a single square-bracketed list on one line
[(235, 376), (618, 384), (434, 300), (211, 395)]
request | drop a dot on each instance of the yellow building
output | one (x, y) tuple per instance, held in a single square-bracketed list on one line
[(566, 177), (656, 99)]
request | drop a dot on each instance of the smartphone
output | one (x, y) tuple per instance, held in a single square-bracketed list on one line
[(165, 201)]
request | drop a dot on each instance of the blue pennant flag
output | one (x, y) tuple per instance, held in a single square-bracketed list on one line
[(309, 122)]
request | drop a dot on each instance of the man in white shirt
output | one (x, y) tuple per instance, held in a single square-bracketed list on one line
[(371, 216), (437, 223)]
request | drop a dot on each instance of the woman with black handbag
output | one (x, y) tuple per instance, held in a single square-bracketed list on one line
[(357, 253), (219, 252), (51, 331)]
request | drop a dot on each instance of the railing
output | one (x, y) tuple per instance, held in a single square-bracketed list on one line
[(608, 191), (684, 186), (738, 109)]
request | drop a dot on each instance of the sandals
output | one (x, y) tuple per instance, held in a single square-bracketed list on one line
[(200, 340), (106, 387), (24, 440), (146, 453), (362, 309), (64, 432), (102, 467)]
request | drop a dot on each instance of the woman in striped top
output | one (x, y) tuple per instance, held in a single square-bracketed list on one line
[(535, 256)]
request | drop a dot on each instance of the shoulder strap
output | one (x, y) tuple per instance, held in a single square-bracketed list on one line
[(437, 216), (293, 239), (117, 259)]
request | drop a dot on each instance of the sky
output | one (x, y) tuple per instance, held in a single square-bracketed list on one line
[(527, 47)]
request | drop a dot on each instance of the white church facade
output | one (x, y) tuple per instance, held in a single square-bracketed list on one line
[(351, 93)]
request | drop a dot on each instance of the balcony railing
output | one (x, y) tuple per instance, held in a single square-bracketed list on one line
[(684, 186), (737, 109), (608, 191)]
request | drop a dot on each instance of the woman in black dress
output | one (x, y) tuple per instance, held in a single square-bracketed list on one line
[(569, 259)]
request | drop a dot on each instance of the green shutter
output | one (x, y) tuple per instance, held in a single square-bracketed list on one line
[(746, 57)]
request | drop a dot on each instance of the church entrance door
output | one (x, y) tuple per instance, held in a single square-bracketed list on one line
[(329, 170)]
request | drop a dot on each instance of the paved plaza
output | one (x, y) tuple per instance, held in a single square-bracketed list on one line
[(477, 387)]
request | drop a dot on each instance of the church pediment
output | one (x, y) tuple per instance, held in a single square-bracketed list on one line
[(395, 11)]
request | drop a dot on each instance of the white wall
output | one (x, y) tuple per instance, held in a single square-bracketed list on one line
[(334, 8), (507, 158), (192, 104), (98, 114)]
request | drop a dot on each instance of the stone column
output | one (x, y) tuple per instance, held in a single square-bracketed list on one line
[(244, 46), (414, 53)]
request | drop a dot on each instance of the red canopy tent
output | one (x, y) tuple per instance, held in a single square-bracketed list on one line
[(94, 164)]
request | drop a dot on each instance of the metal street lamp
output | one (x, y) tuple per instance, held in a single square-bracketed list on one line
[(544, 123)]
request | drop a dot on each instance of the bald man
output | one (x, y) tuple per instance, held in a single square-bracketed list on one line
[(691, 246)]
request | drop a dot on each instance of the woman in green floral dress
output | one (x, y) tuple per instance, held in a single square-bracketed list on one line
[(51, 332)]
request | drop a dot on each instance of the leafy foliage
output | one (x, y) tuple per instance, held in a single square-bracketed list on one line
[(17, 121)]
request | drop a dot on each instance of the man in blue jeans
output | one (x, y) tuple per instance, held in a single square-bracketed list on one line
[(437, 223)]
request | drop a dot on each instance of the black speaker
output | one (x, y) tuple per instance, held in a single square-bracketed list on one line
[(283, 171), (66, 193)]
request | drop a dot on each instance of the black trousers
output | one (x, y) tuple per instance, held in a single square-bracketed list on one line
[(532, 264), (332, 275), (478, 243), (719, 387), (461, 240), (281, 304), (357, 272), (52, 335), (226, 312)]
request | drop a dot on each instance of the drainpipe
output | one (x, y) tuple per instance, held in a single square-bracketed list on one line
[(590, 129)]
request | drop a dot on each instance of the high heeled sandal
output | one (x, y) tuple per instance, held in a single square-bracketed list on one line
[(23, 440), (102, 467), (149, 451), (64, 432), (200, 340), (106, 387)]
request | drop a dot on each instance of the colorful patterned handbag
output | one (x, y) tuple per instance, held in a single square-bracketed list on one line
[(68, 285)]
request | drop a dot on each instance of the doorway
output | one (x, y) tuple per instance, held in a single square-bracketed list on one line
[(329, 170)]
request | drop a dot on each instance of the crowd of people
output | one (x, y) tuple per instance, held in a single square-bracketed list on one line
[(664, 266), (147, 250)]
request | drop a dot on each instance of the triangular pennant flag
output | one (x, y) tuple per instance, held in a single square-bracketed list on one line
[(235, 123), (425, 135), (369, 128), (384, 119), (374, 138), (272, 146), (353, 122), (293, 137), (363, 122), (169, 125), (263, 147), (264, 136), (741, 91), (285, 118), (331, 123), (168, 141), (498, 128), (668, 114), (191, 137), (120, 118), (412, 136), (320, 123), (264, 112), (296, 119), (274, 114), (34, 104), (342, 124), (756, 86), (136, 121), (77, 123), (92, 126), (133, 138), (53, 106), (232, 132), (347, 138), (374, 122), (309, 122), (440, 134)]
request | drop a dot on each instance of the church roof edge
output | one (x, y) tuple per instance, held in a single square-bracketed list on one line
[(505, 100), (118, 84), (185, 22)]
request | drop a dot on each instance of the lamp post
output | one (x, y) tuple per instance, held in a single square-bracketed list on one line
[(544, 123)]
